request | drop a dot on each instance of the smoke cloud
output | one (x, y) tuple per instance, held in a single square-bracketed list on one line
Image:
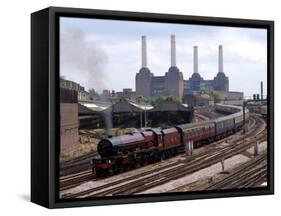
[(82, 61)]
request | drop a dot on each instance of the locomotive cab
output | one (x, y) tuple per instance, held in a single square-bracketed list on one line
[(158, 136)]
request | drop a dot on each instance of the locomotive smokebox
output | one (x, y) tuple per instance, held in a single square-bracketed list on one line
[(105, 148)]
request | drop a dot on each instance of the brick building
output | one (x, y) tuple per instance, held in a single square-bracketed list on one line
[(68, 120), (196, 82), (173, 83), (169, 85), (82, 94)]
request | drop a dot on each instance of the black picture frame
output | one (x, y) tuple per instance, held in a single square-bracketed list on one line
[(45, 118)]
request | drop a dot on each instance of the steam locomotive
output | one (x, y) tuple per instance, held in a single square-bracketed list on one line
[(117, 154)]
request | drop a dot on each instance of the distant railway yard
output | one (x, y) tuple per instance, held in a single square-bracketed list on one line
[(233, 158)]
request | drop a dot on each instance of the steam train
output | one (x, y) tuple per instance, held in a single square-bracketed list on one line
[(117, 154)]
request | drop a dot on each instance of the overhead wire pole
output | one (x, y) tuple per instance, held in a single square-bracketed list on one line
[(144, 107), (145, 116), (140, 118), (244, 121)]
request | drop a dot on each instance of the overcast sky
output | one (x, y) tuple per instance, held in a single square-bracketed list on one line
[(106, 54)]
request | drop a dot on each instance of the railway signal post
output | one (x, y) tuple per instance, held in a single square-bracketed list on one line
[(244, 107), (186, 148), (256, 148), (222, 164), (140, 119), (189, 148)]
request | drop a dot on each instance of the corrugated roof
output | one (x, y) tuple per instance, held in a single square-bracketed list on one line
[(143, 106), (95, 106), (83, 110), (123, 106)]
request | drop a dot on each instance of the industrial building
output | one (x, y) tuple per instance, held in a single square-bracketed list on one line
[(82, 94), (173, 83), (169, 85), (231, 97), (196, 82)]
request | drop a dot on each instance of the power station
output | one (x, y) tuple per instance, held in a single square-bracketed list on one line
[(173, 83)]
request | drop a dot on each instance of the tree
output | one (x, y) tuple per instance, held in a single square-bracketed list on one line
[(211, 93)]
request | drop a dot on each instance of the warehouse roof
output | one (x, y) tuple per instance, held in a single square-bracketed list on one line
[(123, 106), (96, 106), (143, 106), (83, 110)]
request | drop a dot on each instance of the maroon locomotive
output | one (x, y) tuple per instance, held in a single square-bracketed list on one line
[(124, 152)]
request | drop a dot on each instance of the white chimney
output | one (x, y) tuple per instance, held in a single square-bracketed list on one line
[(173, 50), (143, 52), (195, 59), (220, 59)]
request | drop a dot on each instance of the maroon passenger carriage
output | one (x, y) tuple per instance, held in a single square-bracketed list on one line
[(197, 132)]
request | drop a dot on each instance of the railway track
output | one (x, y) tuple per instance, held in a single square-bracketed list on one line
[(205, 115), (78, 164), (208, 113), (243, 176), (159, 175), (73, 180), (200, 117), (250, 174)]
